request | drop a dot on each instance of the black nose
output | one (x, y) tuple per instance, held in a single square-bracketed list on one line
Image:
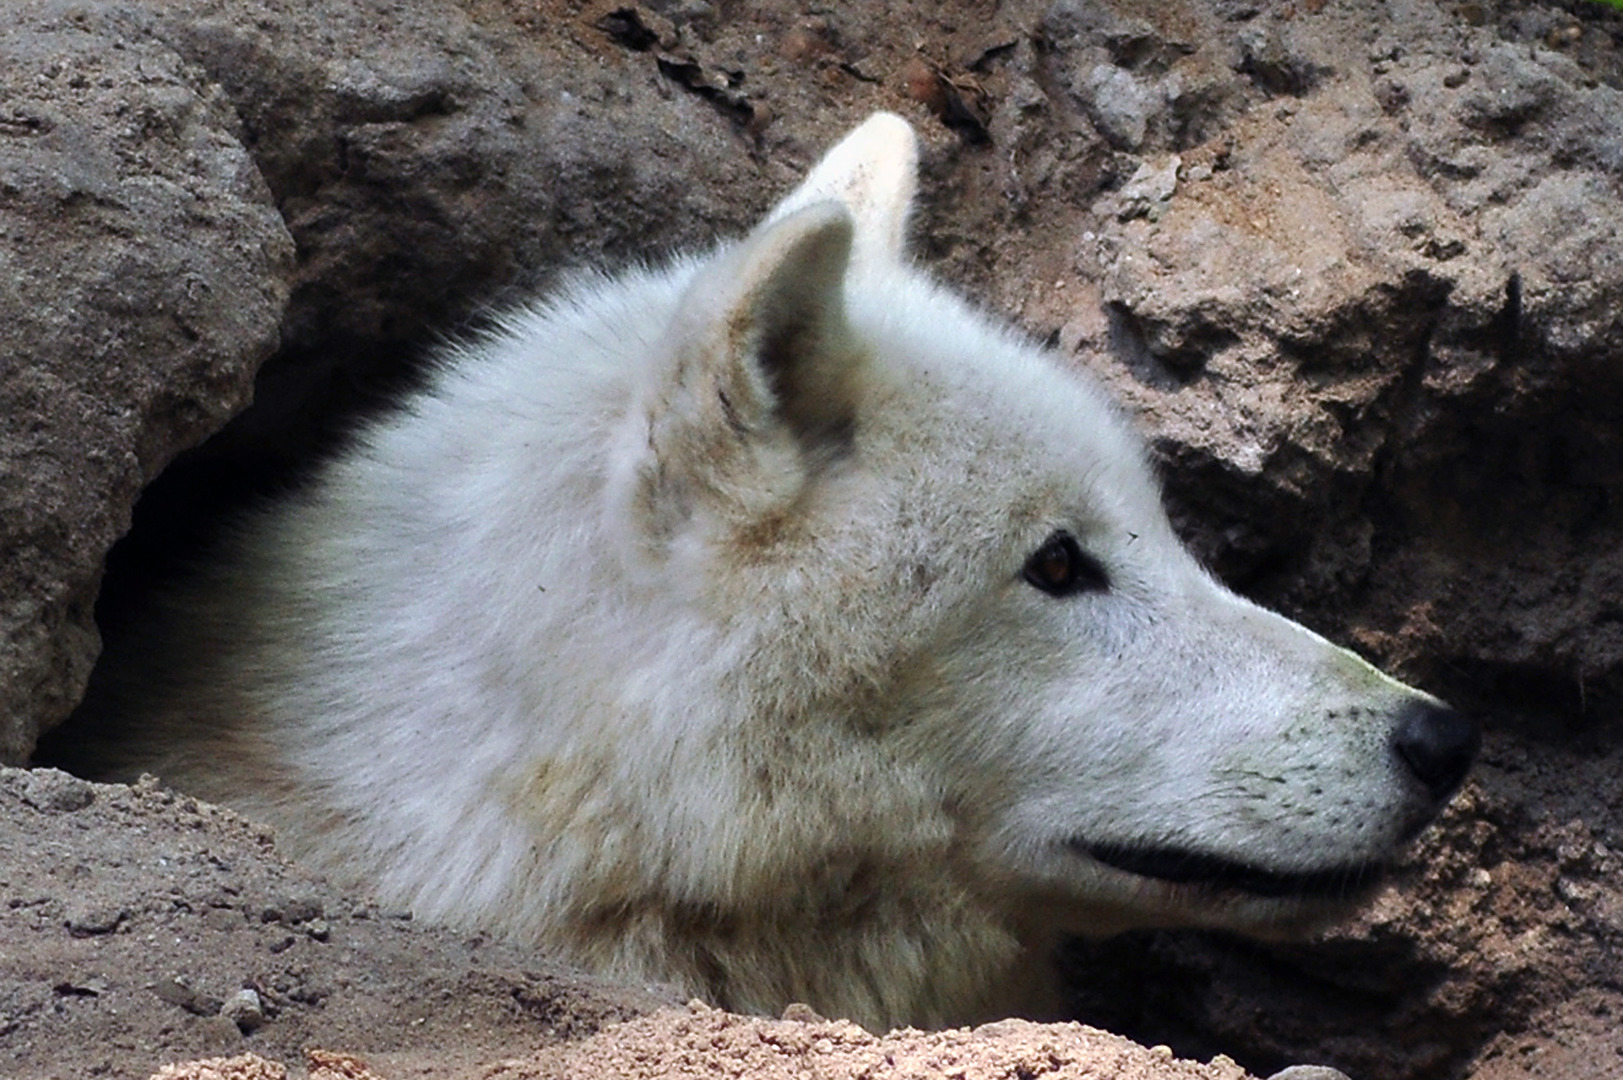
[(1437, 744)]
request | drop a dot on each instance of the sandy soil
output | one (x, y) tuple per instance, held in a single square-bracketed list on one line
[(700, 1041)]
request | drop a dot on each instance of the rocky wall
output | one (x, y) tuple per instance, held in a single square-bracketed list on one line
[(1357, 265)]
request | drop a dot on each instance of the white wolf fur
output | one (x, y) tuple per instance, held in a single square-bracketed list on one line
[(680, 629)]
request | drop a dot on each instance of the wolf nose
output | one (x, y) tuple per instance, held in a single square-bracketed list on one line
[(1437, 744)]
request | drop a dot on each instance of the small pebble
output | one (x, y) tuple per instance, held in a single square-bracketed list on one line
[(244, 1009), (174, 992), (291, 910), (52, 789), (88, 917), (222, 919), (178, 991), (799, 1010)]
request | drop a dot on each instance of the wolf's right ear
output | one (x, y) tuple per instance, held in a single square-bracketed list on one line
[(758, 388), (873, 172)]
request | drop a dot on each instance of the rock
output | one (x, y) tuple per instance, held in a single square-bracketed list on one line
[(463, 163), (240, 1067), (52, 789), (90, 916), (1148, 190), (327, 1065), (1389, 314), (178, 991), (245, 1010), (223, 919), (799, 1010), (292, 909), (143, 314), (1120, 105), (145, 272)]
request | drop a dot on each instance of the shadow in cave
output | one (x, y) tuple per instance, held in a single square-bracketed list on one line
[(1363, 1007), (307, 403)]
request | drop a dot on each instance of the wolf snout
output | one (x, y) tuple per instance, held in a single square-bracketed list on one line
[(1437, 745)]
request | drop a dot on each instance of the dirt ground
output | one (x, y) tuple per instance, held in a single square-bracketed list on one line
[(140, 927)]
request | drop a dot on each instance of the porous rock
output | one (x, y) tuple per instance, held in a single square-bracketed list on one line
[(144, 271), (1376, 343)]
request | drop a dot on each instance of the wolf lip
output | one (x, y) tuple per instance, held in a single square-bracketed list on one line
[(1183, 867)]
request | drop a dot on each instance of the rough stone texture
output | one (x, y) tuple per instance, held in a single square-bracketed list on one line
[(142, 279), (1357, 265), (1375, 328), (422, 164), (424, 159), (432, 164), (1371, 311)]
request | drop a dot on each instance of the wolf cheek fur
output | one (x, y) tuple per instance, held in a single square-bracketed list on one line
[(774, 625)]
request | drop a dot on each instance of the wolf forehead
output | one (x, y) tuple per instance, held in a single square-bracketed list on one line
[(950, 394), (981, 378)]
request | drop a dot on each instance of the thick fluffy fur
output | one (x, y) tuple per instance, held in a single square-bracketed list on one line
[(680, 629)]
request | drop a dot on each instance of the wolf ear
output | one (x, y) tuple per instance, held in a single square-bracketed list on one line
[(761, 381), (873, 173)]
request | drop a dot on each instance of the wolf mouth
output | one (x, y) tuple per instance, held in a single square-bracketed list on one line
[(1183, 867)]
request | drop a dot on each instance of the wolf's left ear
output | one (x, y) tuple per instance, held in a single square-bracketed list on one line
[(760, 384), (873, 173)]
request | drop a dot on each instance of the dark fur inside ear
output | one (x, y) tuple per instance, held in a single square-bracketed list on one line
[(763, 330), (807, 365), (762, 384), (801, 345)]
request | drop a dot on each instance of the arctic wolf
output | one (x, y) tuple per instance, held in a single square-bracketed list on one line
[(775, 625)]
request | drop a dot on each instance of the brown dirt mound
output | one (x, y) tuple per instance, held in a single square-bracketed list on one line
[(701, 1041)]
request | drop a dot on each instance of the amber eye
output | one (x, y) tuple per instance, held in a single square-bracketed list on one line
[(1061, 568)]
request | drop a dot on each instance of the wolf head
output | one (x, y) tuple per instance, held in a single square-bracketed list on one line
[(775, 625), (906, 529)]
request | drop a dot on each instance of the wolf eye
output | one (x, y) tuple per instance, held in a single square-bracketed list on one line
[(1061, 568)]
